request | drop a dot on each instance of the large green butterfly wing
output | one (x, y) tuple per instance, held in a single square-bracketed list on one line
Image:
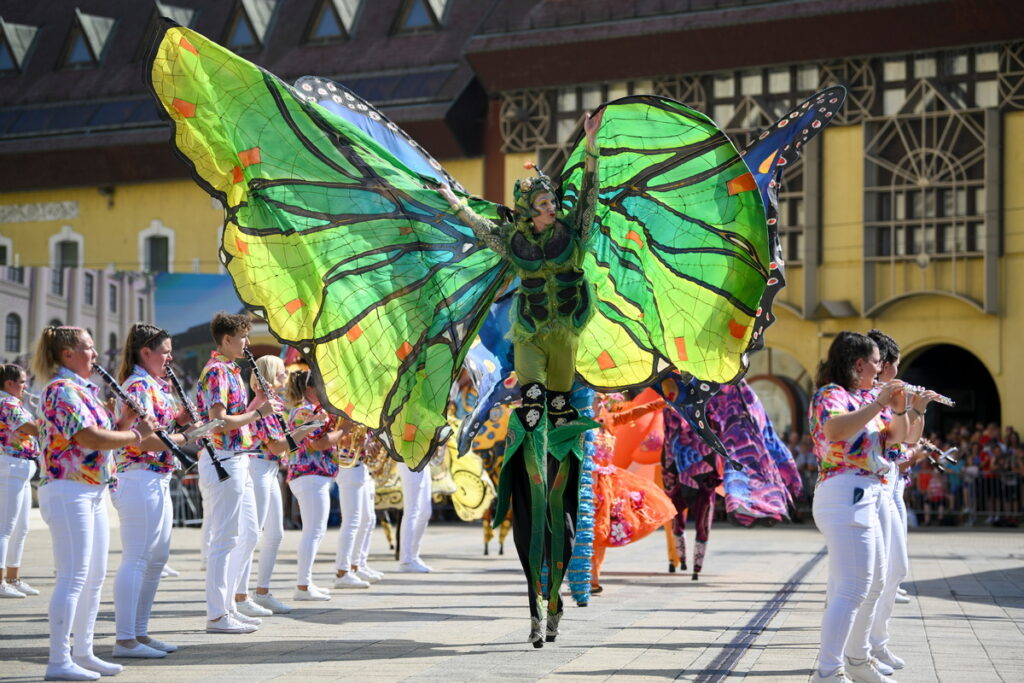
[(679, 250), (345, 251)]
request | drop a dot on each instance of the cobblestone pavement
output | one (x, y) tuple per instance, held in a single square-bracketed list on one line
[(754, 613)]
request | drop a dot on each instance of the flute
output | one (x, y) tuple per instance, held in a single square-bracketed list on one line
[(222, 474), (134, 406), (265, 387), (915, 389)]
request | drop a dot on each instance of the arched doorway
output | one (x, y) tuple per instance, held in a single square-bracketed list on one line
[(783, 386), (958, 374)]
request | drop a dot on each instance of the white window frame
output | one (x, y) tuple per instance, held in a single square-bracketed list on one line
[(156, 229)]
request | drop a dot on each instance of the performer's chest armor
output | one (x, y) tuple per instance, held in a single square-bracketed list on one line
[(551, 285)]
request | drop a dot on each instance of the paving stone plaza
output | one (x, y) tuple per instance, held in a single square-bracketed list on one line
[(754, 613)]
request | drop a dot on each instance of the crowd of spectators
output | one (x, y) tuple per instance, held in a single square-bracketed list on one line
[(984, 486)]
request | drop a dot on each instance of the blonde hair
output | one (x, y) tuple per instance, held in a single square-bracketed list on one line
[(53, 341), (270, 367)]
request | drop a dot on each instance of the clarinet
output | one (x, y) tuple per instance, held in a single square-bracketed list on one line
[(222, 474), (265, 387), (943, 456), (132, 404)]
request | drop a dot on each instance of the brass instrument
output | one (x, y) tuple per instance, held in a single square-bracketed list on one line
[(349, 449)]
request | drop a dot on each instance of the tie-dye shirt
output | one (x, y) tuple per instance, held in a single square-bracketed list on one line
[(897, 452), (864, 454), (156, 398), (71, 404), (12, 417), (306, 460), (263, 432), (221, 382)]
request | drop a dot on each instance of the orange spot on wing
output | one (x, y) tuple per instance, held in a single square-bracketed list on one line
[(604, 361), (766, 165), (743, 183), (737, 330), (236, 174), (409, 433), (294, 305), (243, 247), (406, 230), (631, 235), (681, 348), (248, 157), (404, 350), (186, 109), (349, 408), (355, 332), (185, 45)]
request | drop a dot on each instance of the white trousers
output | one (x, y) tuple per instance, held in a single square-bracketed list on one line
[(357, 518), (314, 495), (846, 511), (77, 516), (143, 502), (15, 507), (269, 519), (416, 513), (230, 514), (894, 531)]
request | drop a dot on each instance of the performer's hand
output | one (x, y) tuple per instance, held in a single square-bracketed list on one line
[(591, 125), (183, 418), (305, 430), (920, 401), (146, 426), (447, 193), (893, 395)]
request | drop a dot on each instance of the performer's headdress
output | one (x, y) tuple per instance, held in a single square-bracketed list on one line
[(527, 189)]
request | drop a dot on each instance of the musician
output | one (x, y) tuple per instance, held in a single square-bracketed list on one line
[(850, 439), (892, 516), (143, 495), (18, 451), (311, 471), (358, 517), (264, 466), (229, 506), (77, 469)]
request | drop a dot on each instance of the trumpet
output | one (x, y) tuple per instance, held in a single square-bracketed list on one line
[(915, 389), (349, 450)]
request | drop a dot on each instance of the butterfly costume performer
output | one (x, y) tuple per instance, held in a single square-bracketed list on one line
[(337, 234)]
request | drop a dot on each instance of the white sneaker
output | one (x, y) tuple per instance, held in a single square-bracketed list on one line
[(882, 667), (837, 675), (139, 651), (251, 609), (350, 580), (160, 645), (372, 572), (69, 671), (901, 590), (365, 575), (246, 619), (413, 567), (228, 624), (168, 571), (9, 591), (885, 656), (866, 672), (22, 586), (319, 589), (268, 601), (310, 595), (902, 599), (93, 663)]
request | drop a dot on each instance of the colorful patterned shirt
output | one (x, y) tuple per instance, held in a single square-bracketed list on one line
[(12, 442), (306, 460), (865, 454), (264, 431), (71, 404), (156, 398), (221, 382), (898, 452)]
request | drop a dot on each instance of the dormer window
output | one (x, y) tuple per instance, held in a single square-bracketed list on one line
[(249, 24), (15, 42), (332, 21), (88, 40), (421, 15)]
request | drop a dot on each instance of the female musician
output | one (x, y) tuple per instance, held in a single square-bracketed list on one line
[(850, 439), (264, 466), (143, 494), (355, 494), (18, 452), (77, 470), (229, 505), (892, 520), (310, 471)]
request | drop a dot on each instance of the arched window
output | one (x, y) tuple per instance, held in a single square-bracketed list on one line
[(12, 333), (67, 250), (156, 248)]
